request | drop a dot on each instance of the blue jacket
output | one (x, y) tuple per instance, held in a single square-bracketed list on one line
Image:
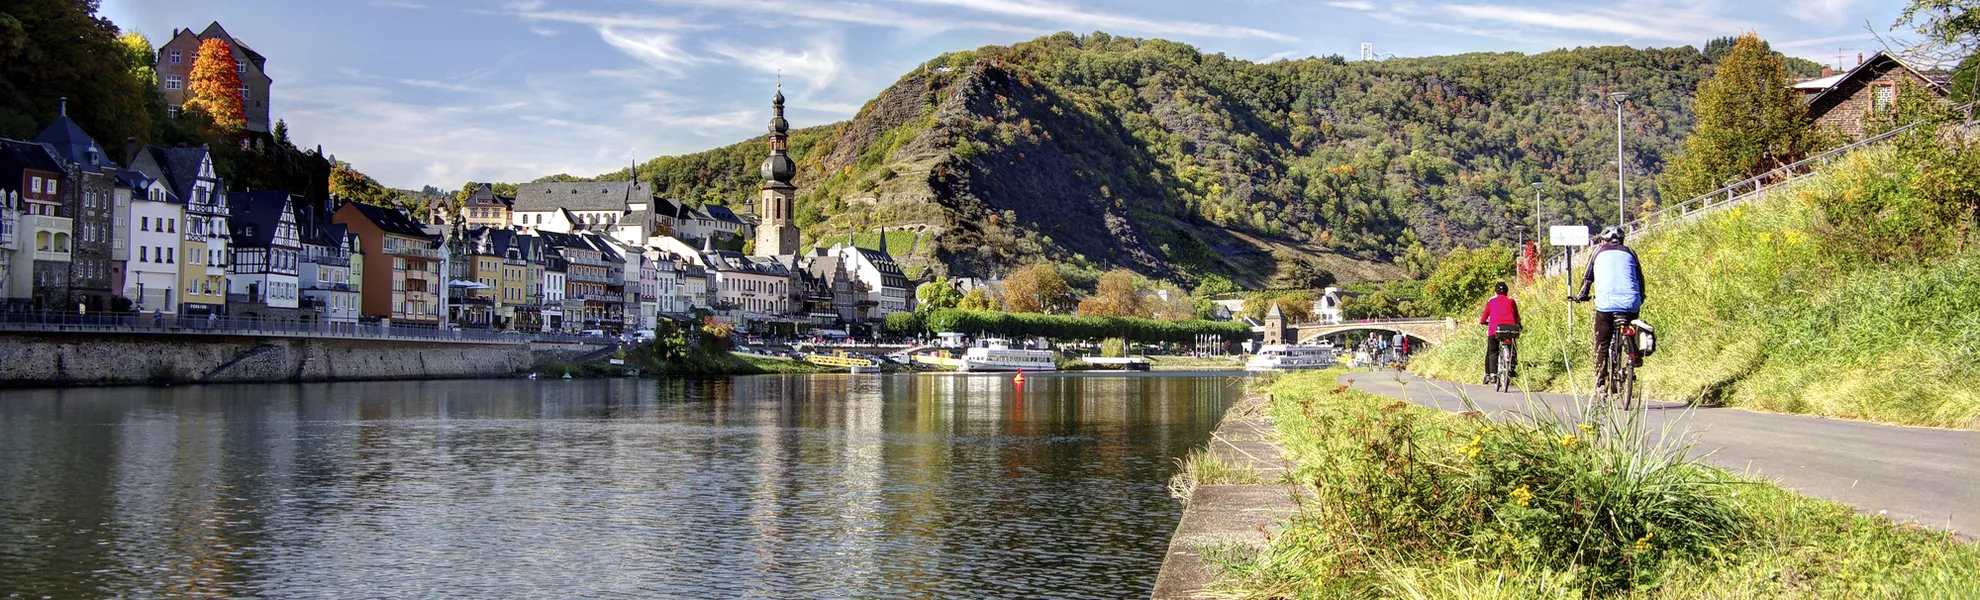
[(1617, 277)]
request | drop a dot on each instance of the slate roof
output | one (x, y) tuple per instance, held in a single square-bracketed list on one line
[(255, 216), (730, 260), (69, 142), (16, 155), (392, 221), (134, 180), (1815, 89), (890, 272), (586, 195), (721, 213), (485, 196), (177, 167)]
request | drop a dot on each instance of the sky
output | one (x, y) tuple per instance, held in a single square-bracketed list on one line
[(441, 92)]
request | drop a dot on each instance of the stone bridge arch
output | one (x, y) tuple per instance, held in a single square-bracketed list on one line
[(1434, 331)]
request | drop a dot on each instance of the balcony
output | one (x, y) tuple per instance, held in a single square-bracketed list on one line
[(588, 278), (595, 262), (605, 298), (330, 260), (334, 286)]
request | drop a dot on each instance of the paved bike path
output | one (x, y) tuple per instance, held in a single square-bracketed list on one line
[(1931, 476)]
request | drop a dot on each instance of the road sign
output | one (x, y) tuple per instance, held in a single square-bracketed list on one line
[(1568, 235)]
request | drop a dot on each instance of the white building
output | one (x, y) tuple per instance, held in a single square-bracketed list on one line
[(887, 290), (267, 253), (151, 272), (325, 273)]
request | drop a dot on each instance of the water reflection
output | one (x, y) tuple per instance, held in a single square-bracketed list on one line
[(908, 486)]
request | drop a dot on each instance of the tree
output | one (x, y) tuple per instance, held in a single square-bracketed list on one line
[(60, 48), (902, 324), (1464, 277), (1035, 288), (1171, 304), (1301, 274), (349, 184), (139, 57), (1214, 285), (1116, 295), (215, 87), (936, 295), (976, 299), (1749, 121), (1295, 306)]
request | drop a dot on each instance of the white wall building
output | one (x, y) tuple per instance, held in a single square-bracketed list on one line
[(151, 273)]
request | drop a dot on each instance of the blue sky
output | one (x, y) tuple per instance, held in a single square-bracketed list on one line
[(419, 92)]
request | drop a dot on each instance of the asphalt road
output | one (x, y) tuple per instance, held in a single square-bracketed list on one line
[(1931, 476)]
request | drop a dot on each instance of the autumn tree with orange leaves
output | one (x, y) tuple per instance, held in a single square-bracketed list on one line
[(216, 86)]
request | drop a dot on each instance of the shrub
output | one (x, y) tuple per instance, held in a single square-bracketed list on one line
[(1465, 277)]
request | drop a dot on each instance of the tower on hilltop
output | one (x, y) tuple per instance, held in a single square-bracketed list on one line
[(776, 233)]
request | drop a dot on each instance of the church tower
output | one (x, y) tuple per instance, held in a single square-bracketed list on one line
[(776, 233)]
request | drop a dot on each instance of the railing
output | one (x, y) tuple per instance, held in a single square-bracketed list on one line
[(239, 326), (1739, 192)]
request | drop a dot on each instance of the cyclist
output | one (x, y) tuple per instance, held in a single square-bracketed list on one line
[(1616, 276), (1499, 310)]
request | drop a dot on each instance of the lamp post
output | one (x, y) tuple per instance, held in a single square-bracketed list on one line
[(1621, 196), (1539, 229)]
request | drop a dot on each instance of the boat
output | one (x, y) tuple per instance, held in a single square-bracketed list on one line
[(997, 355), (1291, 357), (865, 369)]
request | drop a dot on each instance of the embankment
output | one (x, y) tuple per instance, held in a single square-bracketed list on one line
[(1233, 497), (66, 359)]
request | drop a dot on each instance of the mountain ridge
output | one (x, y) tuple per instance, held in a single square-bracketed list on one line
[(1103, 151)]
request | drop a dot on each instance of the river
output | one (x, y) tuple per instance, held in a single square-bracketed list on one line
[(828, 486)]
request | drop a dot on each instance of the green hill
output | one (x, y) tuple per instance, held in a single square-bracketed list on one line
[(1106, 151), (1780, 305)]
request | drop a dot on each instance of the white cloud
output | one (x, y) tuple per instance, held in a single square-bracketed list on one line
[(1066, 14), (1353, 5), (1569, 21), (819, 65), (658, 50)]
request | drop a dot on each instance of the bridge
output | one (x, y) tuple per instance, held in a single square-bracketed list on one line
[(1434, 331)]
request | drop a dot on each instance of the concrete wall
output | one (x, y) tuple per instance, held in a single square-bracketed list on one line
[(39, 359)]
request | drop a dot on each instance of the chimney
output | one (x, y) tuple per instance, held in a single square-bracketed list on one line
[(130, 150), (1859, 59), (1826, 71), (65, 105)]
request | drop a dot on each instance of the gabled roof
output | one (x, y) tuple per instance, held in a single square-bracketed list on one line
[(214, 29), (721, 213), (586, 195), (391, 220), (1812, 94), (254, 216), (133, 180), (16, 155), (484, 195), (69, 142), (177, 167)]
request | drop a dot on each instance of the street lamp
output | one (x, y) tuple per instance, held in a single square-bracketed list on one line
[(1539, 229), (1621, 197)]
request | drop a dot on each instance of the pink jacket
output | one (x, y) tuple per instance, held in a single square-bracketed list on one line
[(1500, 310)]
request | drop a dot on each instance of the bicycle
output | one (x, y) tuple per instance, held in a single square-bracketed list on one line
[(1619, 383), (1508, 339)]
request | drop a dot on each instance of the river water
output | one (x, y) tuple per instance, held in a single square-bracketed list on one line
[(825, 486)]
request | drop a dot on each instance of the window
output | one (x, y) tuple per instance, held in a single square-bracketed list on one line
[(172, 226), (34, 184), (168, 254), (240, 67), (141, 254), (174, 82), (173, 57), (144, 223), (51, 187), (1882, 97)]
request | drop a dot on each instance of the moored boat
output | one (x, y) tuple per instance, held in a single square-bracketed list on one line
[(1291, 357)]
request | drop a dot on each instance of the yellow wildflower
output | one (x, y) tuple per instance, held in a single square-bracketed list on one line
[(1588, 429), (1643, 543), (1521, 496), (1568, 440)]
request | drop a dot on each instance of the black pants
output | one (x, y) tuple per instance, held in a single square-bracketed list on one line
[(1605, 325), (1492, 349)]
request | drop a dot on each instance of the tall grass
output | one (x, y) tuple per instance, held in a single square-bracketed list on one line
[(1412, 502), (1203, 467), (1754, 309)]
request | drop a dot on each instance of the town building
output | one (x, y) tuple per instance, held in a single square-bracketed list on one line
[(884, 288), (551, 283), (204, 234), (1847, 103), (262, 280), (151, 274), (329, 251), (39, 247), (591, 206), (485, 208), (89, 195), (751, 289), (175, 65), (402, 265)]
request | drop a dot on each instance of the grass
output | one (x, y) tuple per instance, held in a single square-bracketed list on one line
[(750, 364), (1167, 360), (1758, 307), (1412, 502), (1203, 467)]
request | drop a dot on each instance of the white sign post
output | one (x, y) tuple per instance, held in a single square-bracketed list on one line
[(1569, 236)]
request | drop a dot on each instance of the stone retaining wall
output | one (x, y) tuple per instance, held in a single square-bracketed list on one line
[(42, 359)]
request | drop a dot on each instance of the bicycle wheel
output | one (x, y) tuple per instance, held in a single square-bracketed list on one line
[(1505, 368), (1626, 375)]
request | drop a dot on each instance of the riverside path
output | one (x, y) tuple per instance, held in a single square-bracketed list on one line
[(1931, 476)]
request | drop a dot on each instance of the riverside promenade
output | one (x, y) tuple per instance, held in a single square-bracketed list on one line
[(1230, 515)]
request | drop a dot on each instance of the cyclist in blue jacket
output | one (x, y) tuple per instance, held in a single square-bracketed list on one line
[(1616, 277)]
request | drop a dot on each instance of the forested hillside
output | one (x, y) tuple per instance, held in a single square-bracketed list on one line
[(1105, 151)]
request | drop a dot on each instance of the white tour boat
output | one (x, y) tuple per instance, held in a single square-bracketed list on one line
[(998, 355), (1291, 357)]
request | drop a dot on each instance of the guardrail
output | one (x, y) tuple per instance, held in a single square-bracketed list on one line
[(1739, 192), (240, 326)]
